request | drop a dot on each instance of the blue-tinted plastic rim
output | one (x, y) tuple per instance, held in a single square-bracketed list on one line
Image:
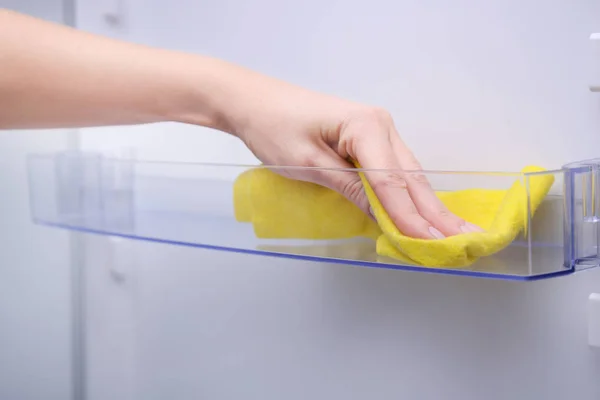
[(456, 272)]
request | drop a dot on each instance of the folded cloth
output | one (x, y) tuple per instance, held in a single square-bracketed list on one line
[(279, 207)]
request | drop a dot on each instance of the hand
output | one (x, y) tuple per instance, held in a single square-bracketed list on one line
[(69, 78), (302, 128)]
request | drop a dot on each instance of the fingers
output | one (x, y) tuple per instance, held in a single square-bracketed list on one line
[(428, 204), (370, 144), (392, 171), (407, 197), (391, 187), (347, 183)]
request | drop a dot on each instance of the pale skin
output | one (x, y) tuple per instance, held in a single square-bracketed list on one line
[(52, 76)]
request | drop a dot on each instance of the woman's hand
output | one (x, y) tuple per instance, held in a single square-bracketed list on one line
[(296, 127), (68, 78)]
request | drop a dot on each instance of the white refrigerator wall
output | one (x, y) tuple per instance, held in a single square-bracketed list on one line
[(35, 282), (472, 85)]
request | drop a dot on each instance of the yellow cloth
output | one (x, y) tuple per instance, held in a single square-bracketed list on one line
[(279, 207)]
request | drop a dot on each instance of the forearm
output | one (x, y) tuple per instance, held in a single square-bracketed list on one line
[(54, 76)]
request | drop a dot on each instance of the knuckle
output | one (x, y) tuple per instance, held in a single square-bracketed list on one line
[(392, 180), (446, 214), (420, 179), (309, 159), (370, 116), (379, 114), (413, 211), (353, 189), (452, 220), (457, 221), (440, 213)]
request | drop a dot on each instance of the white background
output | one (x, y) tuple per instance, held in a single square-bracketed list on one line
[(35, 302), (470, 84)]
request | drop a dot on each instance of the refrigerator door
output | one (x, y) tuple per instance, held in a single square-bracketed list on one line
[(473, 86)]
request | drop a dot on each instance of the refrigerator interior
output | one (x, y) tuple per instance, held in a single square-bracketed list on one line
[(471, 85)]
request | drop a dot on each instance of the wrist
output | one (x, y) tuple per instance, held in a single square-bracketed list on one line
[(212, 93)]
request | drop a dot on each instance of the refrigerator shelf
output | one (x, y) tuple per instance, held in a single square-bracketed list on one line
[(256, 210)]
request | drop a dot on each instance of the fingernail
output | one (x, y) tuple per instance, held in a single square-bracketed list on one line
[(372, 211), (435, 233)]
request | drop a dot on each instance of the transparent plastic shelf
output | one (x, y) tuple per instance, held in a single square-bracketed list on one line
[(538, 223)]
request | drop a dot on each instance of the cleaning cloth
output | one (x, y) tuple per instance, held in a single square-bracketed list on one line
[(280, 207)]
